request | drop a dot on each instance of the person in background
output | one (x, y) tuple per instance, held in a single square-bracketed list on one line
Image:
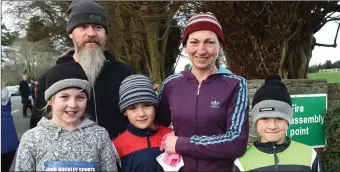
[(65, 138), (25, 93), (207, 105), (272, 115), (9, 138), (32, 86), (36, 83), (139, 146)]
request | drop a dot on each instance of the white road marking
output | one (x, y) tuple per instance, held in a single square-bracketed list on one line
[(16, 110)]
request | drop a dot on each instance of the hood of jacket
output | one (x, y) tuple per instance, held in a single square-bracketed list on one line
[(57, 130)]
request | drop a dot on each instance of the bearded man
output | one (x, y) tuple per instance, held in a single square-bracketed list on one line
[(87, 27)]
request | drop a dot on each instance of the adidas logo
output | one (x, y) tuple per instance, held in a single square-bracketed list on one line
[(215, 104)]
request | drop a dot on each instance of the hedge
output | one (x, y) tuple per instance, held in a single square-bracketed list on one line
[(330, 158)]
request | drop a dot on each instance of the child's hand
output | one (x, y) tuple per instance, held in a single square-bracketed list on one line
[(170, 144)]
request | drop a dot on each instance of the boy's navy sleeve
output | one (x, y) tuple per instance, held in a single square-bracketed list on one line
[(316, 166)]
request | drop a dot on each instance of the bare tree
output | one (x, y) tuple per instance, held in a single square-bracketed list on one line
[(145, 35), (31, 58), (40, 20), (271, 37)]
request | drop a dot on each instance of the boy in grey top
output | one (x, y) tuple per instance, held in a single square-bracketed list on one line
[(66, 140)]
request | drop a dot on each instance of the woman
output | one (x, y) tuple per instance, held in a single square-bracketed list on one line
[(9, 138), (208, 105)]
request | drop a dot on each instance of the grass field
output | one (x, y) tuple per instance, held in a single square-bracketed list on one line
[(331, 77)]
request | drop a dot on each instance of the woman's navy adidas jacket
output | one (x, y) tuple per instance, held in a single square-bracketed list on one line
[(139, 148)]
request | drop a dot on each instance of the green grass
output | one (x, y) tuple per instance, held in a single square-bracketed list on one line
[(331, 77)]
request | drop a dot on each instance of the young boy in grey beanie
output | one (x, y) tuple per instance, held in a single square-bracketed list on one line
[(274, 151), (65, 139), (139, 146)]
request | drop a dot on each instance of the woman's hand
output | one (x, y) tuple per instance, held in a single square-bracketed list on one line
[(170, 144)]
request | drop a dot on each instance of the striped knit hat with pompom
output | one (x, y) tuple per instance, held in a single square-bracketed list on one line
[(203, 21), (136, 89)]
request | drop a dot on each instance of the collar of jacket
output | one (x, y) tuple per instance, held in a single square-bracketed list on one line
[(68, 56), (269, 146), (141, 132), (221, 71)]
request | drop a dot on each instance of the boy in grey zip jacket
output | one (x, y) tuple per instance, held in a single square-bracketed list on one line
[(55, 146)]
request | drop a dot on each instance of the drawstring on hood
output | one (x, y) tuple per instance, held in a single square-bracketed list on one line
[(57, 134)]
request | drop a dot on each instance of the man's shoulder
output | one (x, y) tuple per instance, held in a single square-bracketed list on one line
[(117, 70), (121, 67), (114, 64)]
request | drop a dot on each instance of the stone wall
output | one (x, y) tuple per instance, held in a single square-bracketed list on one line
[(333, 94), (295, 86)]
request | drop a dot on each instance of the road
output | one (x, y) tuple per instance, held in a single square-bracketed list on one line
[(21, 123)]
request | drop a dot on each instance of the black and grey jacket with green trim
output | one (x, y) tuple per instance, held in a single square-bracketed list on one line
[(288, 156)]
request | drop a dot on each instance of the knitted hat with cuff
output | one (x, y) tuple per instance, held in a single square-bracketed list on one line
[(85, 12), (272, 100), (136, 89), (66, 75), (203, 21)]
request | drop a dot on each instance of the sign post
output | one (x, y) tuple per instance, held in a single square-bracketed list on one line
[(307, 126)]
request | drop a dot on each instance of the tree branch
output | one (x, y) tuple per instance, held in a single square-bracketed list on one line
[(331, 45)]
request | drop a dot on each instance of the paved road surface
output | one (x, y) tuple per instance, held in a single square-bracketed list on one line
[(21, 123)]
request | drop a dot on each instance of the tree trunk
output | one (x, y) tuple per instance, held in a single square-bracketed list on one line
[(151, 27)]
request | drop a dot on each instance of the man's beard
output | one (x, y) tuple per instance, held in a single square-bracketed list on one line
[(92, 60)]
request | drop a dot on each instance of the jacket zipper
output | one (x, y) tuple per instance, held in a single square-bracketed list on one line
[(148, 139), (95, 106), (196, 125), (276, 159)]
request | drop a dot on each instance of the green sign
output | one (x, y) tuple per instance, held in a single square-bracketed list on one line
[(307, 126)]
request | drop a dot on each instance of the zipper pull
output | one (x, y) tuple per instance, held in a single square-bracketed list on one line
[(148, 138), (198, 90)]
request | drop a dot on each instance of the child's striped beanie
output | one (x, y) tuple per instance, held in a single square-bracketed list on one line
[(136, 89)]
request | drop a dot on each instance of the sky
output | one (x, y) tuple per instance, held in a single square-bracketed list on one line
[(325, 35)]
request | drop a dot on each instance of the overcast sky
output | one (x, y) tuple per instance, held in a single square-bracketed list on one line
[(326, 35)]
